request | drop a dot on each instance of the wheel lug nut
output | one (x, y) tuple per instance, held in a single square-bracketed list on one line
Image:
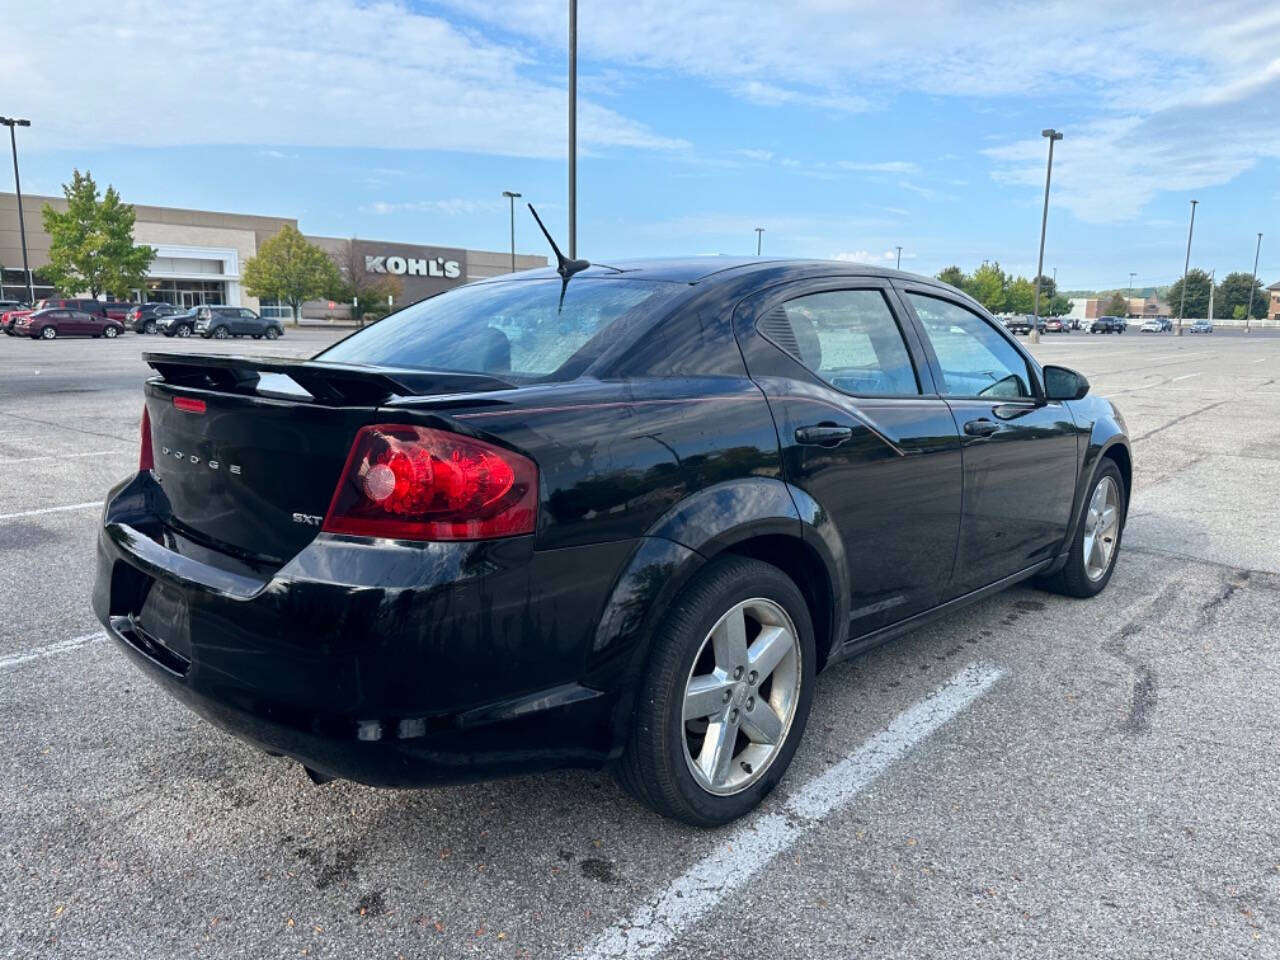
[(751, 702), (733, 715), (737, 673), (752, 677), (728, 695)]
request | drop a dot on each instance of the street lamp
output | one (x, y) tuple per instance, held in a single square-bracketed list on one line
[(759, 239), (899, 266), (12, 122), (1182, 307), (1053, 135), (1248, 314), (1128, 305), (573, 129), (512, 197)]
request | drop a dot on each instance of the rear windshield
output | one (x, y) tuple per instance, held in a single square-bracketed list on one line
[(516, 330)]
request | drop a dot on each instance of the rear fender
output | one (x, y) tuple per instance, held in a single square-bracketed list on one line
[(676, 547)]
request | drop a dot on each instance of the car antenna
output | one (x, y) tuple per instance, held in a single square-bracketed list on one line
[(564, 266)]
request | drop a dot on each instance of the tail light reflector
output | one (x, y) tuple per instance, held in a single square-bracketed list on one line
[(189, 404), (146, 458), (417, 483)]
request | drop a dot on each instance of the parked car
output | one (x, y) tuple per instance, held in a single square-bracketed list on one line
[(1202, 326), (8, 317), (1151, 326), (451, 562), (53, 322), (1107, 325), (144, 317), (177, 324), (1054, 325), (222, 322), (1022, 324), (117, 309)]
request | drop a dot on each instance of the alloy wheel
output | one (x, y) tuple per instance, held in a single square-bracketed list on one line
[(109, 333), (740, 696), (220, 333), (1101, 529), (184, 331), (48, 333)]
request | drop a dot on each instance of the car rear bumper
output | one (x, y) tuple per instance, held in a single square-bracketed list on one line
[(389, 664)]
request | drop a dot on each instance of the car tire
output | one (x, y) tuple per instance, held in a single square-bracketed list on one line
[(271, 333), (696, 633), (48, 333), (1084, 575), (219, 333), (110, 333), (149, 327), (182, 331)]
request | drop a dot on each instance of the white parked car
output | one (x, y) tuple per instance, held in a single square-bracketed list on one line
[(1151, 326)]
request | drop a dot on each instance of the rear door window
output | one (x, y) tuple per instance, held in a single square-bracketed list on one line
[(849, 338)]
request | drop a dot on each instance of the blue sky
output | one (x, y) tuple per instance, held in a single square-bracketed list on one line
[(844, 129)]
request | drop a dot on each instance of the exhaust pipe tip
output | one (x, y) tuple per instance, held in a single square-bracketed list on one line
[(318, 778)]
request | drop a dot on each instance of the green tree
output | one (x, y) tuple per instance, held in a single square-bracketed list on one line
[(1048, 287), (1197, 295), (290, 269), (1233, 292), (954, 276), (1118, 305), (1059, 306), (987, 286), (1021, 296), (91, 248)]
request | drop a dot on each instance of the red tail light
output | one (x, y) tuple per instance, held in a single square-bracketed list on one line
[(146, 458), (189, 404), (415, 483)]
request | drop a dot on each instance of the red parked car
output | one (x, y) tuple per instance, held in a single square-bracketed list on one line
[(51, 323)]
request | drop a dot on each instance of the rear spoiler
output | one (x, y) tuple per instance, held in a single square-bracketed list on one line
[(332, 384)]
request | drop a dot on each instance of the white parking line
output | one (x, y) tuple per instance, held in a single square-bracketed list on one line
[(35, 513), (750, 847), (68, 456), (49, 650), (1186, 376)]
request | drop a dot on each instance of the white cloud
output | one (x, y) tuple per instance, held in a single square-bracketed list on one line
[(290, 73), (453, 207), (885, 166), (762, 156), (1191, 102)]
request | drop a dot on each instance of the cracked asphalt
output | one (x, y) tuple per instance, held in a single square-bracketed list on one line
[(1114, 793)]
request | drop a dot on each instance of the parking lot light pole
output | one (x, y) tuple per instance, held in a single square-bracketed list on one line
[(899, 266), (1182, 307), (11, 123), (1248, 313), (512, 198), (1053, 135), (573, 129), (759, 239)]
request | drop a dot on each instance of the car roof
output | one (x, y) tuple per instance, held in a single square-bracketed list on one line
[(699, 269)]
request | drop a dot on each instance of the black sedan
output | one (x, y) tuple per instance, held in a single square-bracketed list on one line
[(612, 515), (147, 317), (1107, 325)]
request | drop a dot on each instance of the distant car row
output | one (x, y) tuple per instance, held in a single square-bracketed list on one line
[(54, 318)]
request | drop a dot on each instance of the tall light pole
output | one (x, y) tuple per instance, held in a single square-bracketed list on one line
[(1182, 307), (573, 129), (1053, 135), (1128, 303), (759, 239), (899, 266), (512, 198), (1248, 313), (12, 122)]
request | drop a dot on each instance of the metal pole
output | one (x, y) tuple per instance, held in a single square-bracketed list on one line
[(1053, 135), (1212, 274), (899, 266), (759, 239), (512, 197), (1128, 305), (1182, 307), (11, 122), (573, 129), (1248, 313)]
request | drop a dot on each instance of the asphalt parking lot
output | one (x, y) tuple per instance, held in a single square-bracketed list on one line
[(1036, 776)]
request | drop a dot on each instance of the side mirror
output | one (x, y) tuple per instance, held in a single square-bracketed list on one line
[(1060, 383)]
